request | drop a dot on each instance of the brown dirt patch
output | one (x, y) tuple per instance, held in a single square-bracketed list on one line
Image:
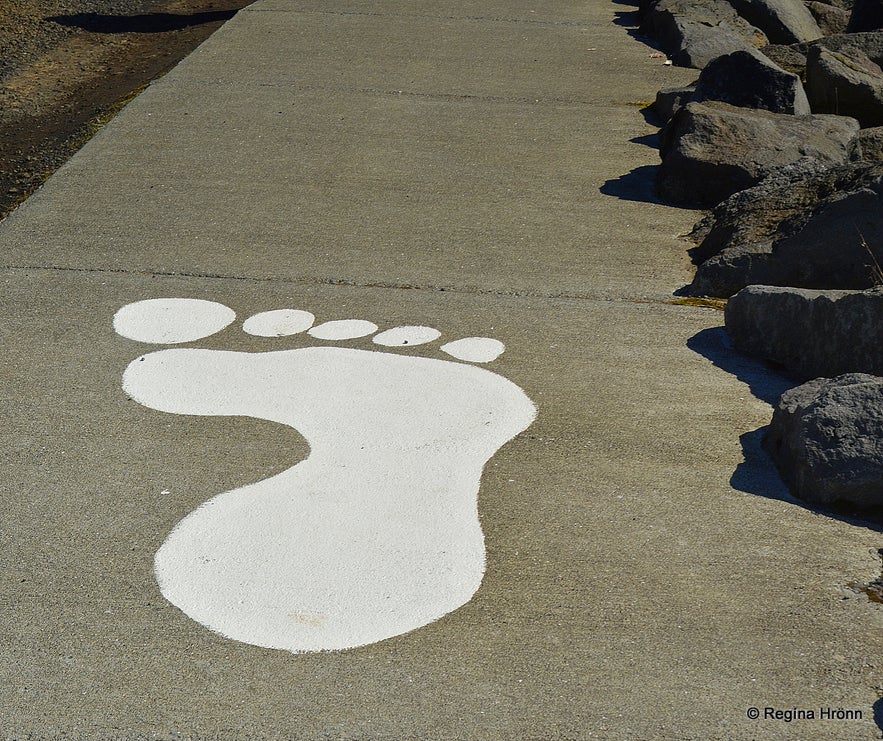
[(69, 65)]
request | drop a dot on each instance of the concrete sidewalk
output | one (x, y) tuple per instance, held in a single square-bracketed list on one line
[(481, 168)]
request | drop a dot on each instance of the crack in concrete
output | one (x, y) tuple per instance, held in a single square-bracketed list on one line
[(428, 16), (456, 96), (350, 283)]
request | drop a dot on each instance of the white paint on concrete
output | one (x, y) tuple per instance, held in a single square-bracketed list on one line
[(343, 329), (171, 321), (474, 349), (279, 323), (406, 336), (376, 532)]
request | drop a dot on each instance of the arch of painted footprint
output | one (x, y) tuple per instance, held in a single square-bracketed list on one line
[(376, 532)]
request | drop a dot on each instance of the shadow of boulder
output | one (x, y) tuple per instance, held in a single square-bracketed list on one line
[(765, 381), (147, 23), (757, 474), (648, 140), (637, 185)]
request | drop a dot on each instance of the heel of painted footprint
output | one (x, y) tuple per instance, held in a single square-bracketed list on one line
[(376, 532)]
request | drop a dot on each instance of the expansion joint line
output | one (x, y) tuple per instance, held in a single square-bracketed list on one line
[(432, 17), (350, 283), (451, 97)]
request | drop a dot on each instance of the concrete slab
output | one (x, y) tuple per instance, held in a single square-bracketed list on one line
[(647, 576), (561, 13), (429, 53), (362, 189), (624, 572), (485, 181)]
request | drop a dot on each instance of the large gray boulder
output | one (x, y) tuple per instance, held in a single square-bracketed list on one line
[(826, 438), (870, 42), (871, 144), (838, 247), (810, 333), (783, 21), (846, 82), (693, 32), (711, 150), (698, 43), (831, 19), (781, 204), (670, 99), (792, 57), (748, 79)]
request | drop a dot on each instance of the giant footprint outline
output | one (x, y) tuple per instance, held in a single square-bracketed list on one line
[(375, 533)]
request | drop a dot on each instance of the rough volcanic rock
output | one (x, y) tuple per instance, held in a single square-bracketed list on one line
[(836, 247), (671, 99), (826, 438), (845, 82), (779, 205), (753, 216), (693, 32), (867, 15), (792, 57), (750, 80), (783, 21), (830, 18), (811, 333), (711, 150), (870, 42), (789, 57), (700, 43), (871, 144)]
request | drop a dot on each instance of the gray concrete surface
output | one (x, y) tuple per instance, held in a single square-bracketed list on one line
[(482, 168)]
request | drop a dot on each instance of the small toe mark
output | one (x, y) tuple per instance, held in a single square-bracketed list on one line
[(170, 321), (279, 323), (343, 329), (474, 349), (401, 336)]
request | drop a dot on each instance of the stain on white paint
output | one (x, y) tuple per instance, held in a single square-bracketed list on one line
[(374, 534), (404, 336)]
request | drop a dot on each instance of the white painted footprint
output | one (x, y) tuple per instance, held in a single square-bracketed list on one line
[(376, 532)]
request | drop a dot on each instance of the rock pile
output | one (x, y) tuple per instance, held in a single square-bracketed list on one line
[(781, 137)]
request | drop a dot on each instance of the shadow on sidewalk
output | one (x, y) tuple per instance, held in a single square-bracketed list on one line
[(148, 23), (637, 185), (757, 474), (764, 381), (631, 21), (648, 140)]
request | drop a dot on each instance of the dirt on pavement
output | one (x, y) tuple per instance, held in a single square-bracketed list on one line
[(66, 66)]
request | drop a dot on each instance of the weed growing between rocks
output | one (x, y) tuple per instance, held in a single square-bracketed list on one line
[(874, 267)]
